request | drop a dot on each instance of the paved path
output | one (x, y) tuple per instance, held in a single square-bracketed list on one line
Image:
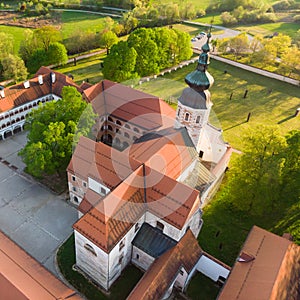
[(31, 215)]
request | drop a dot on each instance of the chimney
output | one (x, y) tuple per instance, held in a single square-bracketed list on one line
[(52, 77), (2, 94), (26, 84), (40, 79)]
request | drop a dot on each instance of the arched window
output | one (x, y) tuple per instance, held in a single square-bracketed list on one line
[(186, 116), (118, 122), (125, 145), (198, 119), (90, 249), (136, 130), (126, 134), (110, 119), (109, 127), (75, 199), (127, 126), (178, 112)]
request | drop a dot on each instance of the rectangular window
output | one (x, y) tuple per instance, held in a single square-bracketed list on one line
[(121, 245), (136, 228), (160, 226), (181, 272), (121, 259), (73, 178), (74, 189), (137, 256), (103, 191), (84, 184)]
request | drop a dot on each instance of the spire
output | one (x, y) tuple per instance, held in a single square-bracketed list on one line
[(200, 79)]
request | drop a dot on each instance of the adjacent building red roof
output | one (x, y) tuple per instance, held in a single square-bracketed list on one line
[(22, 277), (144, 110), (100, 162), (18, 95), (268, 267), (162, 273)]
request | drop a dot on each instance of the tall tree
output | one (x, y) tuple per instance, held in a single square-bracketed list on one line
[(147, 51), (290, 61), (107, 39), (52, 131), (119, 65), (14, 68), (46, 35), (255, 179), (6, 44)]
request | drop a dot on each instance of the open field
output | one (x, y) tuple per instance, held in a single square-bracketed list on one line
[(269, 101), (78, 21), (85, 69), (269, 28), (16, 32)]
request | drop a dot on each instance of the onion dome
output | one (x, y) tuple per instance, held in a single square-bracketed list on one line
[(200, 79), (194, 99)]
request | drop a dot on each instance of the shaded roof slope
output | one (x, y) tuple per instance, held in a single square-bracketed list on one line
[(22, 277), (130, 105), (271, 272), (161, 274), (152, 241), (17, 95), (101, 162)]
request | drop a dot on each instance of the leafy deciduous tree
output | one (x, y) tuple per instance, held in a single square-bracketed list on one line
[(52, 130), (119, 65), (14, 68)]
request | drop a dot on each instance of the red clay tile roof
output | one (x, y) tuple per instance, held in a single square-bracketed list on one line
[(90, 200), (130, 105), (169, 151), (161, 274), (22, 277), (111, 218), (18, 95), (100, 162), (274, 273)]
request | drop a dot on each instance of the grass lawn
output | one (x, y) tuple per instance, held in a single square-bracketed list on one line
[(120, 290), (269, 28), (78, 21), (85, 69), (269, 101), (202, 288), (16, 32)]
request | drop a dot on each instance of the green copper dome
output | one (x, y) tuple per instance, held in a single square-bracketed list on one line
[(200, 79)]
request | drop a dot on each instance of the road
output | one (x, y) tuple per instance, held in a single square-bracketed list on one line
[(32, 216)]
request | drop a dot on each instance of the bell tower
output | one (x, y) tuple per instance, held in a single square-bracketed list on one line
[(194, 104)]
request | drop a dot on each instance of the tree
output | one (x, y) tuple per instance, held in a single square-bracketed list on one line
[(255, 181), (183, 49), (239, 43), (28, 45), (6, 44), (14, 68), (107, 39), (256, 43), (166, 41), (52, 130), (119, 65), (56, 54), (147, 51), (46, 35), (290, 61), (281, 43)]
